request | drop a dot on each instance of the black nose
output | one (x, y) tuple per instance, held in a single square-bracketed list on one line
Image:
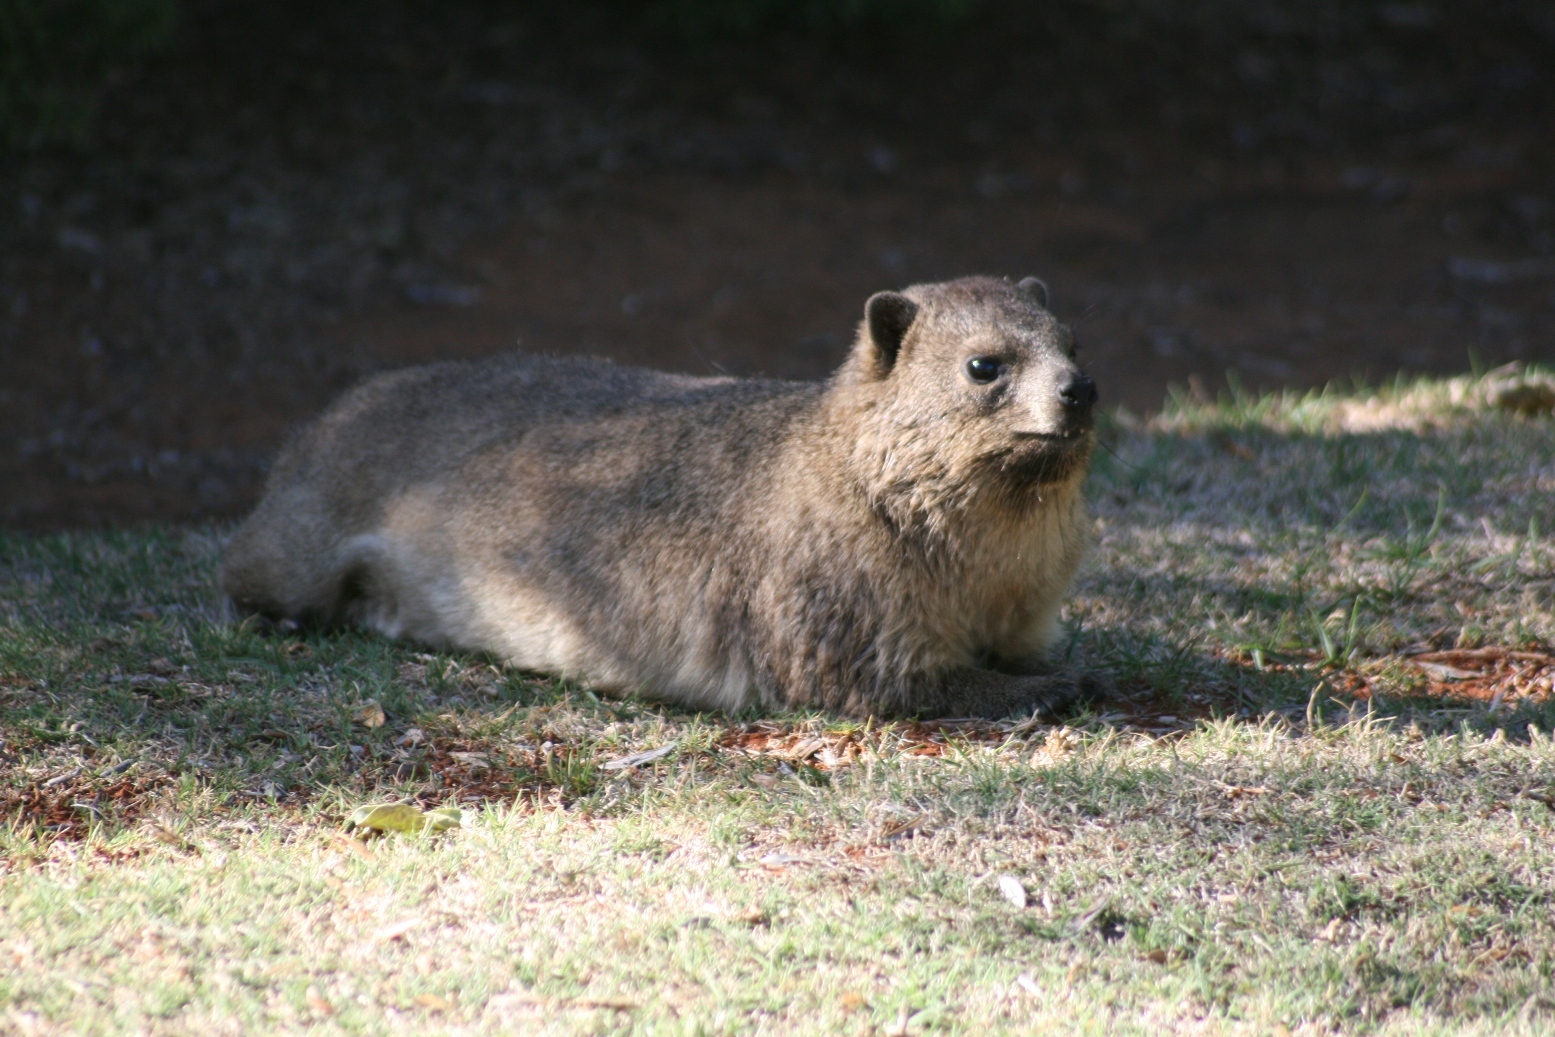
[(1079, 394)]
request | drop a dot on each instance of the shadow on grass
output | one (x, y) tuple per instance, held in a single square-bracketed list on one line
[(125, 695), (1258, 557), (1164, 684)]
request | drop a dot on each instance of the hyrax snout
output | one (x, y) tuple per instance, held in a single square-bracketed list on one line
[(896, 540)]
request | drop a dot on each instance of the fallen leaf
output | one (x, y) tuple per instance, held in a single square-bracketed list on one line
[(1059, 743), (412, 737), (163, 834), (1447, 673), (1158, 956), (851, 1002), (1012, 889), (899, 827), (1093, 912), (1478, 657), (395, 930), (780, 860), (384, 817), (370, 714), (432, 1002), (1028, 984), (614, 1004), (637, 759), (803, 750), (150, 947), (356, 846), (517, 1002), (753, 916), (60, 779), (1239, 791), (317, 1003), (440, 819), (404, 817)]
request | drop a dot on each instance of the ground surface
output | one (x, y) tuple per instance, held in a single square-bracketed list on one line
[(1322, 800), (299, 194)]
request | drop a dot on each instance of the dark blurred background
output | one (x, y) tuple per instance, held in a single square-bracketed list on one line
[(215, 215)]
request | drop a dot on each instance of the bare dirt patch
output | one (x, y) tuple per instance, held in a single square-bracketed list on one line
[(295, 197)]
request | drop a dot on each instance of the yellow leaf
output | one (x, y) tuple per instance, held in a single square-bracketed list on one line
[(432, 1002), (403, 817), (386, 817), (370, 714), (443, 818)]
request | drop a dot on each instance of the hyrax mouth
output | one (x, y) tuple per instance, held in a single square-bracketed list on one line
[(1037, 459), (1063, 437)]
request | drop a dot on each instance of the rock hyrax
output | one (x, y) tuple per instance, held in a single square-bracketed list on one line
[(895, 540)]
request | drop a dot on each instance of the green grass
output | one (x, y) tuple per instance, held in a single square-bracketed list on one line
[(57, 55), (1323, 799)]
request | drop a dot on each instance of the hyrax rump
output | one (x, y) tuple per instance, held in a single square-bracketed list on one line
[(896, 540)]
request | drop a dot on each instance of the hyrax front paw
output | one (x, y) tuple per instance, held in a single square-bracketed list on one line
[(1055, 694), (1092, 687)]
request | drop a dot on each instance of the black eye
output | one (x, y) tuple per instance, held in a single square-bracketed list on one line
[(983, 369), (1070, 345)]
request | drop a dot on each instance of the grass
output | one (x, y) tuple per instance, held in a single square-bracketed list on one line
[(56, 56), (1323, 799)]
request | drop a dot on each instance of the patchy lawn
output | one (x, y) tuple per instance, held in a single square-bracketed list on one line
[(1323, 799)]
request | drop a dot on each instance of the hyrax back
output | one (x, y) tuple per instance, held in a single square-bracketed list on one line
[(898, 539)]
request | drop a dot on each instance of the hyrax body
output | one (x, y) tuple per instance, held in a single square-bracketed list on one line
[(896, 540)]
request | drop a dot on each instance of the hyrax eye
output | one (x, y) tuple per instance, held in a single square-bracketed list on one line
[(984, 369)]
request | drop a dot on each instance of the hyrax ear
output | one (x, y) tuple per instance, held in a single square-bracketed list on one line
[(887, 316), (1036, 288)]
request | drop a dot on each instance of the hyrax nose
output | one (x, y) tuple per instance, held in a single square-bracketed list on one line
[(1078, 395)]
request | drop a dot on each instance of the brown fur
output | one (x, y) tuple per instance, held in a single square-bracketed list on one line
[(896, 540)]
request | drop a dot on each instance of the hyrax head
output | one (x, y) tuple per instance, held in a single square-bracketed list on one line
[(981, 366)]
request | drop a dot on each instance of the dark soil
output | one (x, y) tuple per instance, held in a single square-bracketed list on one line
[(295, 196)]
